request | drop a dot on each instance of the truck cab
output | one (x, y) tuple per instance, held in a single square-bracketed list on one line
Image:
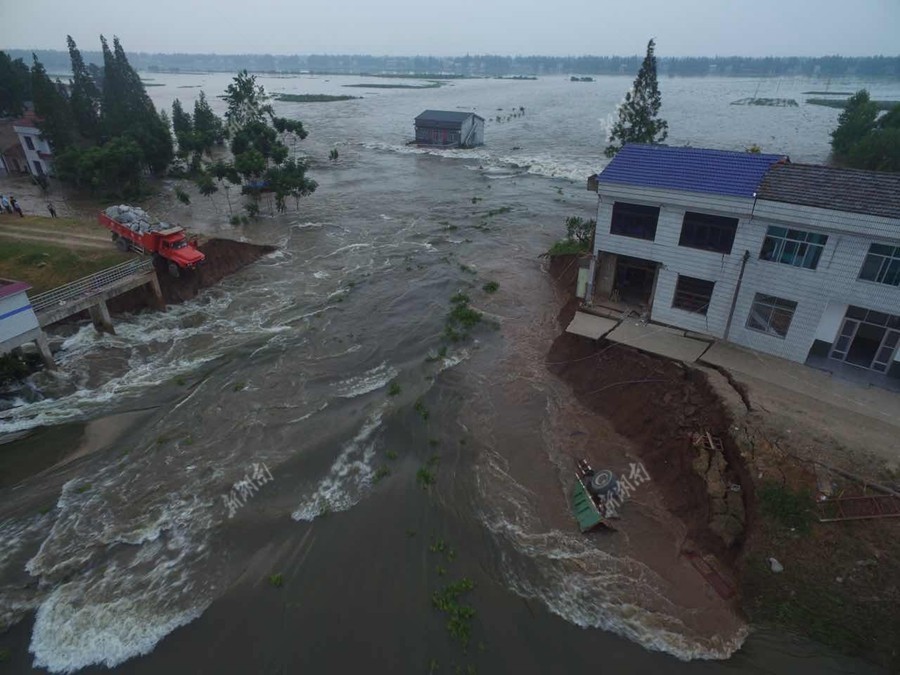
[(174, 247)]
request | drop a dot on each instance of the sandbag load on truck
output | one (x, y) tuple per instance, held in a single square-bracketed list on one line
[(135, 219)]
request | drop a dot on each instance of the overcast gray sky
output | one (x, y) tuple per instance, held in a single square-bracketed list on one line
[(407, 27)]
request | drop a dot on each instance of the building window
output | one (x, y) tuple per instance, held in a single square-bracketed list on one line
[(693, 295), (771, 315), (793, 247), (882, 265), (706, 232), (634, 220), (29, 142)]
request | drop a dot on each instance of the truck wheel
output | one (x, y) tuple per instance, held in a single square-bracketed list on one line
[(174, 270), (603, 482), (122, 244)]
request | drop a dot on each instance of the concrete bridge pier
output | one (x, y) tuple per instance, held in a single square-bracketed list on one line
[(44, 350), (101, 318), (157, 292)]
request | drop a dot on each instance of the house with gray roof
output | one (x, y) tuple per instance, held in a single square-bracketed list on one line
[(449, 128), (795, 260)]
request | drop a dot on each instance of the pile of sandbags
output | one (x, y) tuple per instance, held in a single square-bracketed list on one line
[(135, 219)]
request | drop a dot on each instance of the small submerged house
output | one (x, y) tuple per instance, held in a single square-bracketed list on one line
[(447, 128)]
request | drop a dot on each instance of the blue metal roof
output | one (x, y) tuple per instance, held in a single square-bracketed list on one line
[(718, 172)]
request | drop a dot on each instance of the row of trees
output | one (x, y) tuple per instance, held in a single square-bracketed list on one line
[(107, 135), (865, 140), (490, 65), (261, 158), (103, 128)]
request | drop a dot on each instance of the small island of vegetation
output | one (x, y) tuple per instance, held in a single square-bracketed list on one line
[(312, 98)]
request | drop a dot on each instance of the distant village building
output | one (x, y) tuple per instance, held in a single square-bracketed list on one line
[(38, 155), (12, 156), (447, 128), (795, 260)]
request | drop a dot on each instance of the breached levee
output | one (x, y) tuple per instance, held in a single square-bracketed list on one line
[(223, 258)]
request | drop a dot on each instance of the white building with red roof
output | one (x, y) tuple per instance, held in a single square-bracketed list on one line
[(38, 154)]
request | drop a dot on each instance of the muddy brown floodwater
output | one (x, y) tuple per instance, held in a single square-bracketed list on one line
[(129, 556)]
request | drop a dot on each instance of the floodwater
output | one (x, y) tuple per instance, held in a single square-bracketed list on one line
[(123, 550)]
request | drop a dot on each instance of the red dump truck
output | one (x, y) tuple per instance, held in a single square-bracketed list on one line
[(133, 230)]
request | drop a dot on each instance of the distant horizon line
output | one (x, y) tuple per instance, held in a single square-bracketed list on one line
[(456, 56)]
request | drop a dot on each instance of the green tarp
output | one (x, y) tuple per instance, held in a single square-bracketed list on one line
[(584, 509)]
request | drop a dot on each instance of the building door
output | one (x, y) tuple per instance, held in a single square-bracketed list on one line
[(867, 339), (38, 168)]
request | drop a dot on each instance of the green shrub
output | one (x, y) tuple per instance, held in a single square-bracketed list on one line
[(787, 507)]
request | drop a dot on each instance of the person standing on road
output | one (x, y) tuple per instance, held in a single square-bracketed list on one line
[(16, 207), (51, 209)]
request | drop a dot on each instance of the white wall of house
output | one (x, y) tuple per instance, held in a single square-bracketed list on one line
[(16, 317), (675, 259), (822, 295), (33, 145)]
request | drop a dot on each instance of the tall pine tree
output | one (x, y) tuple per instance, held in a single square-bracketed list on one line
[(854, 123), (52, 108), (128, 110), (15, 85), (183, 127), (85, 97), (208, 129), (638, 115)]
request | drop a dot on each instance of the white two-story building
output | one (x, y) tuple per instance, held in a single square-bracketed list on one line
[(795, 260), (38, 154)]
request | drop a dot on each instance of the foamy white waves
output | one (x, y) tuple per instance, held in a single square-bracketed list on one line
[(583, 584), (126, 583), (369, 381), (351, 474), (153, 348), (498, 166)]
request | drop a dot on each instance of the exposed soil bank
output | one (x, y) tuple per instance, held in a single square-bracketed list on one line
[(223, 257), (658, 404), (838, 583)]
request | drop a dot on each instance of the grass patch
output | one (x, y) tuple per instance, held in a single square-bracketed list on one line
[(441, 353), (276, 580), (460, 298), (239, 386), (423, 411), (789, 508), (4, 655), (434, 84), (46, 266), (447, 600), (312, 98), (380, 473), (842, 103), (394, 389), (566, 247), (81, 489), (466, 268), (498, 212), (490, 287), (391, 454), (179, 381), (465, 316), (425, 477)]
